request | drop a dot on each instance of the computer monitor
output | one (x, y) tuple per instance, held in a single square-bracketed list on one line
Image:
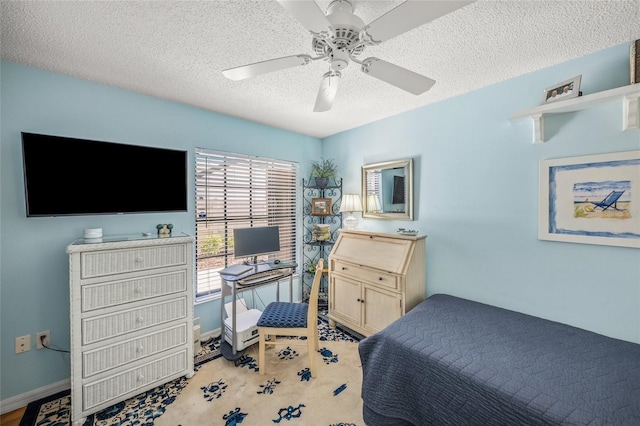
[(256, 241)]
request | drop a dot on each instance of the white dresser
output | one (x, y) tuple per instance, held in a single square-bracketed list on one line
[(131, 318), (374, 279)]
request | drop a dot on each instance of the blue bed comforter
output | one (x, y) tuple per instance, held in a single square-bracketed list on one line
[(451, 361)]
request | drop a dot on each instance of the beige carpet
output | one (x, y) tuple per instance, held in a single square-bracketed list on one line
[(222, 394)]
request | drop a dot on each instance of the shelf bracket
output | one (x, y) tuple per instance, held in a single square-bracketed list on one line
[(631, 112), (538, 128)]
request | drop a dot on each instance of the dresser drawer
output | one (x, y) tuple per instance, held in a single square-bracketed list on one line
[(118, 323), (101, 263), (368, 275), (101, 391), (112, 356), (112, 293)]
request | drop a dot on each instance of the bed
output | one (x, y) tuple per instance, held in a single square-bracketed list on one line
[(451, 361)]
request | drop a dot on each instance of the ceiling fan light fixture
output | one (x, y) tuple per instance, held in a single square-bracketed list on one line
[(327, 92)]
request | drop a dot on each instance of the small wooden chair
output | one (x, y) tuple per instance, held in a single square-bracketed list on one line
[(294, 320)]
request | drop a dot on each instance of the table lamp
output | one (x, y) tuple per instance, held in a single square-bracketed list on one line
[(350, 203), (373, 203)]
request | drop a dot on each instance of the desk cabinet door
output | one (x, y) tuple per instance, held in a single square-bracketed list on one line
[(381, 308), (345, 295)]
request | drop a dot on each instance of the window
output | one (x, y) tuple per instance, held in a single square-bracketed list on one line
[(240, 191), (374, 185)]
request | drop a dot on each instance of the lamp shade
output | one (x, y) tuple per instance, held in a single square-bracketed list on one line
[(350, 203), (373, 203), (327, 92)]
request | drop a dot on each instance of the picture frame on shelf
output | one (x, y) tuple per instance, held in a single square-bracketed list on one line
[(321, 232), (592, 199), (564, 90), (320, 206), (634, 61)]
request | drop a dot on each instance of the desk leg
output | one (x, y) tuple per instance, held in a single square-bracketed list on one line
[(223, 299), (223, 294), (233, 319)]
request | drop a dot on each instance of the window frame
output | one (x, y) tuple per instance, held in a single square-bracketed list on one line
[(239, 190)]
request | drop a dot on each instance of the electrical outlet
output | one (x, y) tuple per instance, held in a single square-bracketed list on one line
[(23, 343), (40, 340)]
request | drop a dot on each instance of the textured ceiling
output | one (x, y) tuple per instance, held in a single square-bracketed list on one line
[(177, 50)]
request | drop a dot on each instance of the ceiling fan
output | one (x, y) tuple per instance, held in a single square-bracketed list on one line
[(339, 36)]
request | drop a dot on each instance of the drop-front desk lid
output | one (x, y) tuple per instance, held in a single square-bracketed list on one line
[(387, 252)]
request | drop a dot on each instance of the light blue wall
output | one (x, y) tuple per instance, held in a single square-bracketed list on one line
[(476, 196), (34, 274), (476, 186)]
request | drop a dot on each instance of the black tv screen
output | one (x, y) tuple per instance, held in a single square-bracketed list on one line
[(398, 190), (67, 176)]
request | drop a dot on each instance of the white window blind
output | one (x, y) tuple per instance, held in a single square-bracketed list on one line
[(240, 191), (374, 183)]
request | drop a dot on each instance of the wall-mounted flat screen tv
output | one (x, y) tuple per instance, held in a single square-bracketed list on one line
[(66, 176), (398, 190)]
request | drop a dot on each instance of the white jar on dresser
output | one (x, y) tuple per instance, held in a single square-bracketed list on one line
[(375, 278), (131, 318)]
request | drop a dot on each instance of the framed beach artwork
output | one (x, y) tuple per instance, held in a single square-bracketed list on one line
[(593, 199)]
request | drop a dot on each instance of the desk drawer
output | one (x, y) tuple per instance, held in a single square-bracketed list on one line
[(112, 293), (122, 322), (380, 278), (102, 263)]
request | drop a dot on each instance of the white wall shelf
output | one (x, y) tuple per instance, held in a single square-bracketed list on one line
[(628, 95)]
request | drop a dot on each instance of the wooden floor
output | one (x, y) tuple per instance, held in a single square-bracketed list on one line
[(12, 418)]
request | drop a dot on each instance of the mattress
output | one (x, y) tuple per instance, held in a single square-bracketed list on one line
[(451, 361)]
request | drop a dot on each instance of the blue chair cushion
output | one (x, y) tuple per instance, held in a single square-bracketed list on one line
[(284, 315)]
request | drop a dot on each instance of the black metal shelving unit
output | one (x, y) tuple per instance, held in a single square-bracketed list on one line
[(312, 250)]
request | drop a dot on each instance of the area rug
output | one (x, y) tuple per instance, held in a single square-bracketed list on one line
[(222, 394)]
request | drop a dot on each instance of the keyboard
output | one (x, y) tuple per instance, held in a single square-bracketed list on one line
[(261, 277)]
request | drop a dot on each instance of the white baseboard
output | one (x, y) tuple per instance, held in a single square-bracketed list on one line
[(209, 334), (24, 399)]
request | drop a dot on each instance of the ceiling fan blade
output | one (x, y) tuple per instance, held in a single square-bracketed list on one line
[(327, 92), (407, 16), (308, 13), (252, 70), (397, 76)]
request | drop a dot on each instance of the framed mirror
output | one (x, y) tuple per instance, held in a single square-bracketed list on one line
[(387, 190)]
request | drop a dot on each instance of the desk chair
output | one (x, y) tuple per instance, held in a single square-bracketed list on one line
[(292, 319)]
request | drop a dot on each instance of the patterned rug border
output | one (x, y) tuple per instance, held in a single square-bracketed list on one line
[(210, 351), (33, 408), (355, 336)]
